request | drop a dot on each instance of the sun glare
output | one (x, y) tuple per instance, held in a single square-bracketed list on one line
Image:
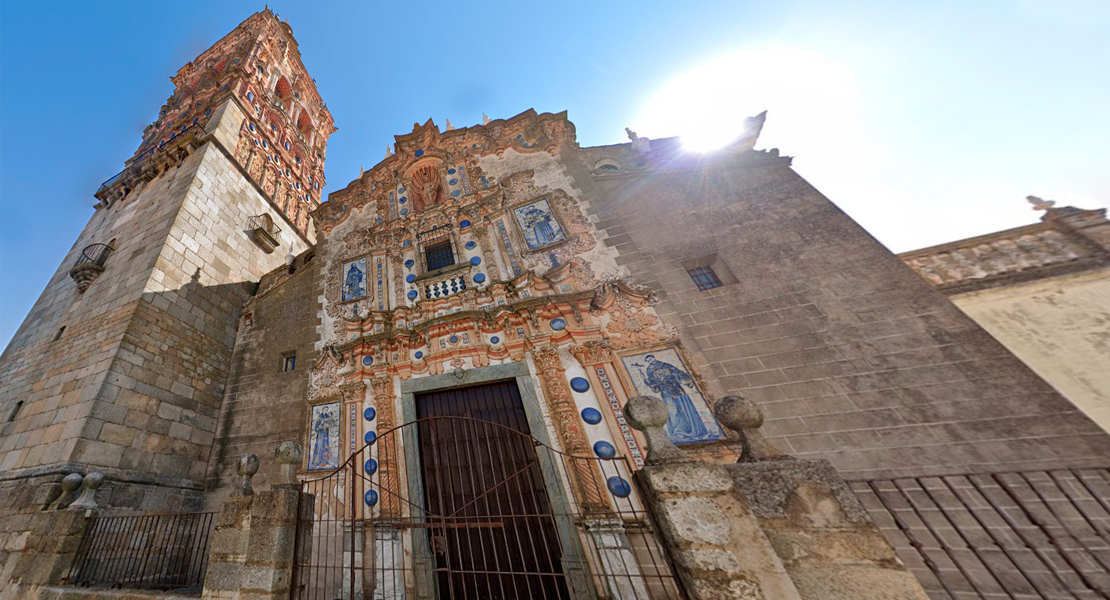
[(706, 105)]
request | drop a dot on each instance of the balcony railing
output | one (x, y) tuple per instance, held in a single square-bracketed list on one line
[(96, 254)]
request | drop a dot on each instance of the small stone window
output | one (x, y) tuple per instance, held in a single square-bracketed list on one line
[(288, 362), (439, 252), (708, 272)]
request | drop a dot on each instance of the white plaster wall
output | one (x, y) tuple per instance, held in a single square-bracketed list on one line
[(1060, 327)]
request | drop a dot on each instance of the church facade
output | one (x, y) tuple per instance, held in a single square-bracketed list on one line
[(216, 306)]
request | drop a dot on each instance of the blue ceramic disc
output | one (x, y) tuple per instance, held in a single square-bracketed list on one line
[(618, 486), (410, 278), (367, 360), (369, 437), (591, 415), (371, 497), (413, 294), (419, 354), (464, 223), (369, 413), (477, 260), (495, 340), (479, 277), (471, 245), (406, 243), (579, 384), (558, 324), (409, 263), (604, 450), (371, 466), (454, 339)]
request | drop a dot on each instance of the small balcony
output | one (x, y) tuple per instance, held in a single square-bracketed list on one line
[(264, 232), (90, 265)]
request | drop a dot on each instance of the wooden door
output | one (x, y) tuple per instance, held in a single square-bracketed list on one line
[(492, 529)]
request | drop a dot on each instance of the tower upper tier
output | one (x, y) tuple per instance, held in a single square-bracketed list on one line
[(282, 136)]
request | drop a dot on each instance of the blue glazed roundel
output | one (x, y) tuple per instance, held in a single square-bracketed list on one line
[(371, 466), (479, 277), (371, 497), (464, 223), (406, 243), (367, 360), (419, 153), (477, 260), (450, 171), (369, 437), (591, 415), (604, 450), (419, 354), (454, 339), (452, 182), (403, 199), (579, 384), (495, 340), (404, 211), (410, 278), (558, 324), (471, 245), (618, 486), (413, 294), (369, 413), (409, 263), (455, 193)]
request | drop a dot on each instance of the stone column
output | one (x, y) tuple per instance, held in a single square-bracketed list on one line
[(820, 532)]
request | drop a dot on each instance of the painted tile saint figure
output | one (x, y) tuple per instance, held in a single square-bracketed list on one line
[(354, 279), (690, 420), (324, 437), (538, 224)]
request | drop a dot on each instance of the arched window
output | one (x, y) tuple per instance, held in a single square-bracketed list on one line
[(283, 89), (304, 123)]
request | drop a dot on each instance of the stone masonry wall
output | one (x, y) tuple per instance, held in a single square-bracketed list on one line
[(852, 356), (264, 405)]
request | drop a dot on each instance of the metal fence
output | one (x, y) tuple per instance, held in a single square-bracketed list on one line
[(150, 551), (451, 507), (1034, 534)]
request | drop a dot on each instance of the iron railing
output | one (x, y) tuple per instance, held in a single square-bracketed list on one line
[(460, 508), (1017, 535), (96, 254), (150, 551), (135, 161)]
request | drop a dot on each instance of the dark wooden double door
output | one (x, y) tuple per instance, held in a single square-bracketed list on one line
[(492, 530)]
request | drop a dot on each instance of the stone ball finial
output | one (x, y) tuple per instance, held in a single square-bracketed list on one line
[(650, 415), (738, 413), (72, 482), (745, 418), (289, 456), (247, 467), (91, 483)]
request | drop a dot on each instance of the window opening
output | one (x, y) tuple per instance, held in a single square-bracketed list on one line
[(288, 362), (58, 336), (15, 411), (705, 278), (438, 254)]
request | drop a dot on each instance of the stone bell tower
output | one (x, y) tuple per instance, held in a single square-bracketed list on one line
[(121, 365)]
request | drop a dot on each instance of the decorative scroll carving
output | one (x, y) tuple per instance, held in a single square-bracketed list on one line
[(593, 352), (585, 474), (384, 402)]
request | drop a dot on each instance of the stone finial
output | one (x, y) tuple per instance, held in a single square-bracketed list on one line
[(247, 467), (289, 456), (485, 119), (640, 145), (745, 418), (69, 489), (1039, 203), (90, 484), (649, 415), (450, 127)]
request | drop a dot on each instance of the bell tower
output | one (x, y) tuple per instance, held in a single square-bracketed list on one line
[(121, 364)]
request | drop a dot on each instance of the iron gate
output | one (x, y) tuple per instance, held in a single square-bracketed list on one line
[(450, 507)]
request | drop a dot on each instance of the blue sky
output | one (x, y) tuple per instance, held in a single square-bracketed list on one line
[(927, 122)]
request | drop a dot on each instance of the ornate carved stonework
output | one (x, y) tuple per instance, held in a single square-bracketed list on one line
[(384, 401), (587, 478), (593, 352)]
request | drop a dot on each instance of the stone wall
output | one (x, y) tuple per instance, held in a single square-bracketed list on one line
[(265, 405), (852, 356)]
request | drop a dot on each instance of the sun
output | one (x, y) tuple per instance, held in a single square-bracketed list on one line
[(706, 105)]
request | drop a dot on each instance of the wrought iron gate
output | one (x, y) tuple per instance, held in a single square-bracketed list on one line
[(461, 508)]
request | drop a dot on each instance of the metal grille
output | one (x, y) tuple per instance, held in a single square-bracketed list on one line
[(153, 551), (460, 508), (438, 255), (95, 253), (705, 278), (1036, 534)]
